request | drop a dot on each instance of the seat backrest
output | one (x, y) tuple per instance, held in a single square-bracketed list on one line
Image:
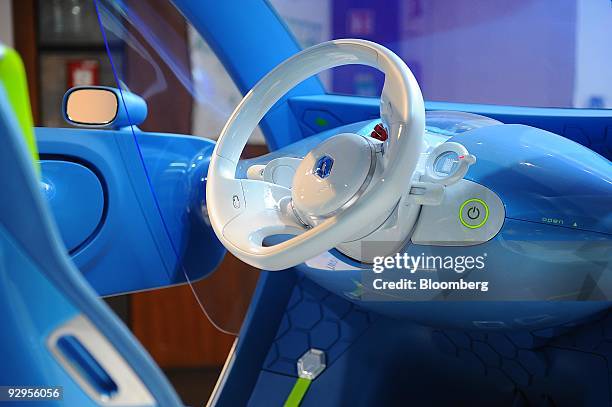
[(13, 79), (58, 332)]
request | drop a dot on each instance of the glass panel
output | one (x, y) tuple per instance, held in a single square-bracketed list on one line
[(169, 62), (71, 52), (187, 91), (58, 70), (67, 22), (529, 53)]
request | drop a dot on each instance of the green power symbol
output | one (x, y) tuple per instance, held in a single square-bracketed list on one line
[(474, 213)]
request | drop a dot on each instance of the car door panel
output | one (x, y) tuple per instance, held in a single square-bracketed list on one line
[(144, 238)]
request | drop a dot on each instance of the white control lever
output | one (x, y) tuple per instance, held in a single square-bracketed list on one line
[(256, 172), (279, 171), (425, 193)]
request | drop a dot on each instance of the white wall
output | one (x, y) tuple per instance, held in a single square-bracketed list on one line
[(310, 23), (593, 80), (6, 22), (216, 95)]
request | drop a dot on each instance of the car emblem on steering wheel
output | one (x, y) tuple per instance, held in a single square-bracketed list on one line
[(323, 167)]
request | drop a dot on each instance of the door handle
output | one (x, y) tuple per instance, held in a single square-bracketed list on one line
[(96, 366), (87, 366)]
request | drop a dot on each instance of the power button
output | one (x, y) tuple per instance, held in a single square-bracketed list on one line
[(473, 213)]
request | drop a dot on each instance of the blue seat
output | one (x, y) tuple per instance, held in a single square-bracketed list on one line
[(55, 329)]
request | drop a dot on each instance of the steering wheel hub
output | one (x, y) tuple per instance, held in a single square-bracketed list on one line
[(332, 176)]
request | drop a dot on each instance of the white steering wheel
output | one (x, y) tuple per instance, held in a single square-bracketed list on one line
[(341, 185)]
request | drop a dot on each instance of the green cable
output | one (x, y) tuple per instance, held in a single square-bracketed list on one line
[(298, 392)]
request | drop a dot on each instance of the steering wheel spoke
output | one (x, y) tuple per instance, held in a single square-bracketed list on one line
[(267, 212)]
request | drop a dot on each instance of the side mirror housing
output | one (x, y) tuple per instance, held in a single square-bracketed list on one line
[(103, 107)]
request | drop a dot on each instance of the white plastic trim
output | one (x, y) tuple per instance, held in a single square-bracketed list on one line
[(466, 159), (243, 212)]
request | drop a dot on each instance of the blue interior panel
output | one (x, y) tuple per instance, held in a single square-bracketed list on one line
[(150, 228), (76, 198), (522, 165), (590, 127)]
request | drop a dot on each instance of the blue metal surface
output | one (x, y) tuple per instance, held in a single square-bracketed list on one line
[(131, 249), (76, 199), (43, 287), (541, 177)]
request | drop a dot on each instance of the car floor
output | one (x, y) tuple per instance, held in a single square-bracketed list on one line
[(193, 385)]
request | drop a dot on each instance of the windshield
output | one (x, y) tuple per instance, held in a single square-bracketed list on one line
[(158, 55), (546, 53)]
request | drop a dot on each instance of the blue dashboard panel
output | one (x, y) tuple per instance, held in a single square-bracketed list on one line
[(589, 127), (538, 236), (144, 235), (76, 198), (542, 177), (539, 176)]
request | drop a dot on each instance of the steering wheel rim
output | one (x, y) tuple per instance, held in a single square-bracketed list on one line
[(236, 205)]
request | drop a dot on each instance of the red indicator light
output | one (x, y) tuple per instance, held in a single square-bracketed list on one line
[(379, 133)]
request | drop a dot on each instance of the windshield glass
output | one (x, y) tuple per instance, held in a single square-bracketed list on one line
[(545, 53), (158, 55)]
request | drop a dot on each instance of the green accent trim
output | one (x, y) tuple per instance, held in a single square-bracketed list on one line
[(321, 122), (483, 203), (12, 76), (297, 392)]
